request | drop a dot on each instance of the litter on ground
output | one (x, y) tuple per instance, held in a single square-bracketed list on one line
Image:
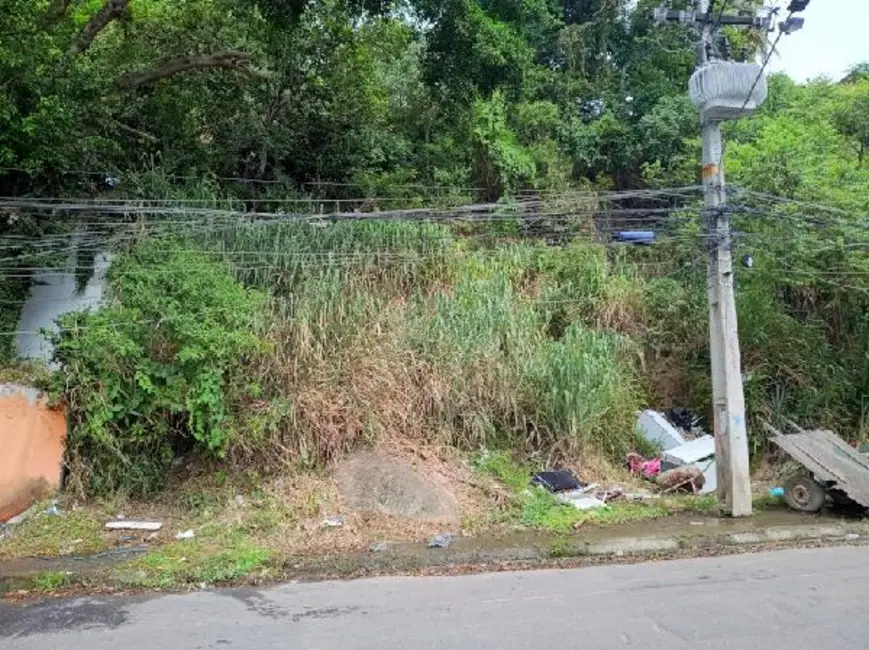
[(134, 525), (655, 428), (333, 522), (560, 480), (580, 500), (639, 466), (681, 479), (691, 452), (441, 541)]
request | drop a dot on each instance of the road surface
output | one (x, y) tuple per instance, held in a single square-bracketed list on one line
[(800, 599)]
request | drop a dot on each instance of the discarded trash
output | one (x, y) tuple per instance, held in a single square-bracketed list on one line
[(777, 492), (612, 494), (639, 466), (560, 480), (700, 453), (655, 428), (239, 500), (579, 500), (691, 452), (852, 536), (134, 525), (686, 479), (53, 510), (333, 522), (710, 476), (187, 534), (380, 547), (640, 496), (441, 541), (685, 419)]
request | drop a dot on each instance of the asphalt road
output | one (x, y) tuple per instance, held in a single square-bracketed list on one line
[(800, 599)]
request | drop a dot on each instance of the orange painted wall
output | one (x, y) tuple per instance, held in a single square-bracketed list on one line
[(31, 449)]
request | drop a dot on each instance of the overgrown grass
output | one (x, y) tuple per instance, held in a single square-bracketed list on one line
[(215, 556), (466, 336), (50, 581), (76, 532), (534, 507)]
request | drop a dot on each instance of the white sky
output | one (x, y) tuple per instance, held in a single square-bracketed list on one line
[(834, 39)]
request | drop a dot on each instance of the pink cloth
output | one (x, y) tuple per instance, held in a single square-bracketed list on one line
[(651, 468), (645, 468)]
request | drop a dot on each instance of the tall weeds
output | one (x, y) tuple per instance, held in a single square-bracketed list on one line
[(404, 329), (379, 329)]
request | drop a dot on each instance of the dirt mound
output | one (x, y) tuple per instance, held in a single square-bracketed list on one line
[(374, 483)]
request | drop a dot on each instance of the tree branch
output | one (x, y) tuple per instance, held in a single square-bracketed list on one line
[(111, 11), (56, 12), (142, 135), (227, 59)]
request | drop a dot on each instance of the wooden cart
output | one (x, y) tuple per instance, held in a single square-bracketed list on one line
[(833, 470)]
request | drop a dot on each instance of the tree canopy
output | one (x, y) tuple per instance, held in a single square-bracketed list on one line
[(495, 94)]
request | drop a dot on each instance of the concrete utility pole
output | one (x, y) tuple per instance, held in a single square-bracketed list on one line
[(728, 400), (723, 90)]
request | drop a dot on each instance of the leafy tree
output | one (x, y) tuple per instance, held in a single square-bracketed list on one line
[(852, 116)]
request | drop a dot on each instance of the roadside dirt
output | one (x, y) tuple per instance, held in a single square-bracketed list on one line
[(98, 580)]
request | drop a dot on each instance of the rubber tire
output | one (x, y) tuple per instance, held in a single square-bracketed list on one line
[(805, 494)]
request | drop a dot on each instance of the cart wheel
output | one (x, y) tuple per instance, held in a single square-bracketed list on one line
[(805, 494)]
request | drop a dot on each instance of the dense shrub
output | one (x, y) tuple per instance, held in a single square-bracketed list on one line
[(155, 370)]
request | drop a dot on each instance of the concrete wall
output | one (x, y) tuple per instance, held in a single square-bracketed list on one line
[(31, 448)]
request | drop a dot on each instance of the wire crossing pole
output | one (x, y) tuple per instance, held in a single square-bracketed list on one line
[(731, 436), (717, 88), (728, 400)]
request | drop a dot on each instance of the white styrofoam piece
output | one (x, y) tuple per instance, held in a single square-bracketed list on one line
[(579, 500), (655, 428), (134, 525), (691, 452), (710, 474)]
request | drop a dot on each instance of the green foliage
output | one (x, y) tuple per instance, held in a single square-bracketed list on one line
[(154, 370), (851, 117), (501, 164), (511, 379), (367, 104), (50, 581), (212, 558), (78, 531), (505, 93), (501, 466)]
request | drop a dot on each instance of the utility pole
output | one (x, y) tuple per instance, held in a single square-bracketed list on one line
[(728, 400), (723, 90)]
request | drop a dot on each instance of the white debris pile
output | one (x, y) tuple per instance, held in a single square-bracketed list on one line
[(681, 448)]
